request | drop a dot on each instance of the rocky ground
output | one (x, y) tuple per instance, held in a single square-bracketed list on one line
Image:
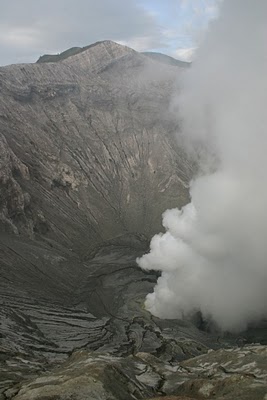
[(110, 347), (88, 146), (223, 374), (88, 164)]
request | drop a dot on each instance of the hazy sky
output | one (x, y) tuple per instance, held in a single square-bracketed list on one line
[(30, 28)]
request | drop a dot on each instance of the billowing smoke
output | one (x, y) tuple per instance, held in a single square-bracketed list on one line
[(213, 256)]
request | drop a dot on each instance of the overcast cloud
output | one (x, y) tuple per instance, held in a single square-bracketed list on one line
[(30, 28)]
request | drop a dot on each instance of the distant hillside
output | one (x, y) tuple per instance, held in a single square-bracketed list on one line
[(46, 58), (163, 58), (159, 57), (89, 162)]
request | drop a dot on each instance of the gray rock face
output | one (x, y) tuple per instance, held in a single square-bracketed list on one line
[(13, 200), (94, 134), (225, 374), (87, 154), (54, 304), (88, 164)]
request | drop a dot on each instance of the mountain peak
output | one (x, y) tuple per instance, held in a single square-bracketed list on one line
[(108, 44)]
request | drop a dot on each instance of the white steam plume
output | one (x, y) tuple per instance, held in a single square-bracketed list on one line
[(213, 256)]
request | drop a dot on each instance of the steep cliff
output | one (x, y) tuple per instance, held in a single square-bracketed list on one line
[(89, 161), (87, 154), (95, 136)]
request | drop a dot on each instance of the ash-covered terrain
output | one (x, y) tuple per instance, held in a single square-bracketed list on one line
[(89, 161)]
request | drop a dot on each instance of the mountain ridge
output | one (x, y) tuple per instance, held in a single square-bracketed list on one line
[(73, 51), (48, 58), (89, 161), (88, 95)]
